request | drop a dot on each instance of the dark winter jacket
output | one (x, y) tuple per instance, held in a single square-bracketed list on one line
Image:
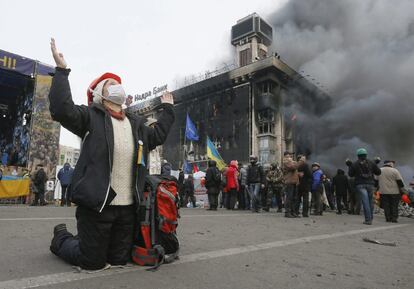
[(181, 179), (189, 186), (65, 175), (213, 176), (364, 171), (305, 178), (340, 184), (166, 169), (40, 179), (255, 174), (91, 178)]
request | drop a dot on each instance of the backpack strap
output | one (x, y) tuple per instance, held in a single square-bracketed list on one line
[(160, 253), (152, 197)]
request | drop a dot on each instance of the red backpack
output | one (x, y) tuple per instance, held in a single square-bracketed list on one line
[(156, 240)]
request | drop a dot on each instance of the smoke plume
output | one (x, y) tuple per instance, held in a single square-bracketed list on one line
[(362, 53)]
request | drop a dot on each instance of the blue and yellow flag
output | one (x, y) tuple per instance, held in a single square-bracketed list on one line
[(214, 155)]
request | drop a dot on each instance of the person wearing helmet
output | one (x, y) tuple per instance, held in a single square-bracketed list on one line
[(363, 170), (255, 182), (108, 181)]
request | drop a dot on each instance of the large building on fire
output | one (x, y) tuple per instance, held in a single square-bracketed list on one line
[(245, 110)]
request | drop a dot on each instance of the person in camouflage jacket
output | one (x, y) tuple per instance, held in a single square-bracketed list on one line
[(274, 178)]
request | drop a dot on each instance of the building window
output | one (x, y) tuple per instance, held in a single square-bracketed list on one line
[(266, 87), (266, 121), (245, 57)]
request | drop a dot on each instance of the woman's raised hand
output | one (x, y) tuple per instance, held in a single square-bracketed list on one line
[(59, 59)]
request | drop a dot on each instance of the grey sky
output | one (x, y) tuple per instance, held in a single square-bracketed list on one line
[(147, 43)]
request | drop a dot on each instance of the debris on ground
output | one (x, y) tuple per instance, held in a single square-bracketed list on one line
[(391, 244)]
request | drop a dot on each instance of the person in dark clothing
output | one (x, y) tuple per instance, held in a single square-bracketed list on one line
[(340, 187), (109, 178), (13, 157), (213, 182), (274, 178), (40, 179), (364, 170), (304, 188), (166, 168), (65, 178), (255, 182), (354, 206), (181, 187), (189, 191)]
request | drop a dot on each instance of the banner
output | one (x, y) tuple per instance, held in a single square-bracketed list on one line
[(12, 187), (16, 63)]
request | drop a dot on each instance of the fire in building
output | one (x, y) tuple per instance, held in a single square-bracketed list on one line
[(246, 110)]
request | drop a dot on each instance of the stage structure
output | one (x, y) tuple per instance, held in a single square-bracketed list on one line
[(28, 136)]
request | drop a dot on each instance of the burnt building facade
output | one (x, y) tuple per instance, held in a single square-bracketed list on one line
[(244, 110)]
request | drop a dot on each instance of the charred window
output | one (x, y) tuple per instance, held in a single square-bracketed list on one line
[(265, 87), (223, 116), (266, 121)]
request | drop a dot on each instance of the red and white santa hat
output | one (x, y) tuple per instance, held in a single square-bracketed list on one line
[(95, 89)]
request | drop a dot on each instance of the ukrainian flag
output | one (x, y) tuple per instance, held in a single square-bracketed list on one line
[(213, 154)]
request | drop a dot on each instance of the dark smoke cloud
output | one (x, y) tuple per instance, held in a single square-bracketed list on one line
[(363, 52)]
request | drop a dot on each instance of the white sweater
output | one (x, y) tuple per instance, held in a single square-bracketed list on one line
[(121, 178)]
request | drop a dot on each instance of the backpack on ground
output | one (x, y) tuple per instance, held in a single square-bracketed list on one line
[(156, 240)]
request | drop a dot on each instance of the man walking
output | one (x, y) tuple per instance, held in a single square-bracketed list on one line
[(65, 178), (364, 170), (390, 182)]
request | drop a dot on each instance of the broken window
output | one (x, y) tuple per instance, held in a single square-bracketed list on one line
[(266, 121)]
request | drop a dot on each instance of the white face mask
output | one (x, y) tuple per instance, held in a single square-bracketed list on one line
[(116, 94)]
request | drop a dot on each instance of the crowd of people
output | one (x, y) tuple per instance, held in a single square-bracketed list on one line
[(299, 189)]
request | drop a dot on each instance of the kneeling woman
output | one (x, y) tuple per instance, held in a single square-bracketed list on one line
[(108, 180)]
